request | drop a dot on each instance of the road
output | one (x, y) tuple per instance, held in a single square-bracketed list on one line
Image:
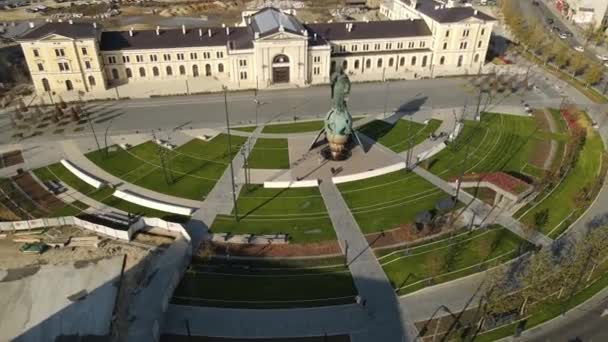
[(143, 115)]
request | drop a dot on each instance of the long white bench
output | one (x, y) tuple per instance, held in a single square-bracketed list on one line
[(85, 177), (153, 204), (291, 184), (369, 174)]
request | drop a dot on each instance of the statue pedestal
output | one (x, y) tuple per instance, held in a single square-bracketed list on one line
[(337, 149)]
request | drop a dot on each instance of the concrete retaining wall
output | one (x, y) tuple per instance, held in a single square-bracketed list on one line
[(153, 204), (293, 184), (369, 174), (69, 221), (85, 177)]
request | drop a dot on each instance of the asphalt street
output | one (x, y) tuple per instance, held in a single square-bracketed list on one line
[(144, 115)]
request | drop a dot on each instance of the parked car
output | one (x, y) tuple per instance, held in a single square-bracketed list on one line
[(603, 57), (563, 35), (579, 48)]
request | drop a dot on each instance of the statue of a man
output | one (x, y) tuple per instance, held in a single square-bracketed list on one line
[(340, 89)]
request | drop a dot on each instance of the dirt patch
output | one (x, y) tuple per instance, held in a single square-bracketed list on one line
[(542, 151), (277, 250), (541, 120)]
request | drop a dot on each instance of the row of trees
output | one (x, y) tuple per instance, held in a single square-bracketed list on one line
[(533, 37)]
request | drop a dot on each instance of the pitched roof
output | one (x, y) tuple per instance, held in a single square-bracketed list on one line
[(370, 30), (270, 20), (502, 180), (438, 12), (74, 31), (239, 38)]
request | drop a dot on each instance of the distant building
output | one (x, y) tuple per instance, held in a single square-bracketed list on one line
[(271, 48), (584, 12)]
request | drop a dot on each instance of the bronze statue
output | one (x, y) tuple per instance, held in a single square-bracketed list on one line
[(338, 122)]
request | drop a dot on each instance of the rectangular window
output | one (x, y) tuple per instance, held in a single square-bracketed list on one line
[(63, 66), (125, 59), (399, 45), (40, 67), (243, 75), (139, 58), (465, 33), (354, 47), (365, 47), (376, 46), (479, 44), (112, 60), (193, 56), (59, 52), (220, 54), (410, 45), (153, 58), (447, 33), (36, 53), (87, 64), (445, 46), (242, 62), (422, 44), (206, 55), (84, 51), (180, 56), (483, 31), (463, 45), (167, 57), (389, 46), (316, 59), (316, 70)]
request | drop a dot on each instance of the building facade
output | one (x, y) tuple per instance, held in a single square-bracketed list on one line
[(269, 49), (584, 12)]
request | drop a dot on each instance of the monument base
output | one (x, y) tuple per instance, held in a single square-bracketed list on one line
[(327, 153)]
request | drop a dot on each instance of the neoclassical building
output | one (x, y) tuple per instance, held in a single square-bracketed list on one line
[(271, 48)]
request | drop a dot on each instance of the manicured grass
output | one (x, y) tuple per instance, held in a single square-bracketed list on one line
[(248, 129), (298, 212), (396, 137), (412, 269), (269, 154), (104, 195), (192, 168), (387, 201), (561, 201), (498, 142), (295, 127), (264, 285)]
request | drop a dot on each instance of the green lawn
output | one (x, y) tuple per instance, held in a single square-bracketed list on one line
[(396, 136), (561, 201), (104, 195), (192, 168), (387, 201), (447, 259), (295, 127), (247, 129), (70, 209), (226, 284), (499, 142), (299, 212), (269, 154)]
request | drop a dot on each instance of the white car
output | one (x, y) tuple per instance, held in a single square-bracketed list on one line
[(579, 48), (562, 35), (603, 57)]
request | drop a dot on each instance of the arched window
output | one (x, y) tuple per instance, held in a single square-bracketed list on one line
[(129, 73), (207, 69), (155, 71), (391, 62), (142, 71), (368, 63), (115, 74), (195, 70), (92, 81), (357, 64), (379, 62), (476, 58), (442, 60), (182, 70), (220, 67), (280, 59), (344, 64), (46, 85), (69, 85), (169, 71), (402, 61), (460, 58), (424, 60)]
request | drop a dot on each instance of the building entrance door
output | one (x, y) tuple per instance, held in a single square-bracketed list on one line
[(280, 75)]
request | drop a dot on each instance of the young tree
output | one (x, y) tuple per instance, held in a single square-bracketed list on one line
[(537, 278), (562, 55), (577, 63), (593, 74)]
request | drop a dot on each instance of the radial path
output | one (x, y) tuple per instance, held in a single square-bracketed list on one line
[(387, 321)]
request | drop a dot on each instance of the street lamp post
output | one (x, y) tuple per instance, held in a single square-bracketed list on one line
[(236, 215)]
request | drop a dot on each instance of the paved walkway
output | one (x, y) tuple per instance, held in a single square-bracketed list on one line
[(483, 210), (388, 322)]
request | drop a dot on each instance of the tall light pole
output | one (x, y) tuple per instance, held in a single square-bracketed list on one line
[(236, 214)]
